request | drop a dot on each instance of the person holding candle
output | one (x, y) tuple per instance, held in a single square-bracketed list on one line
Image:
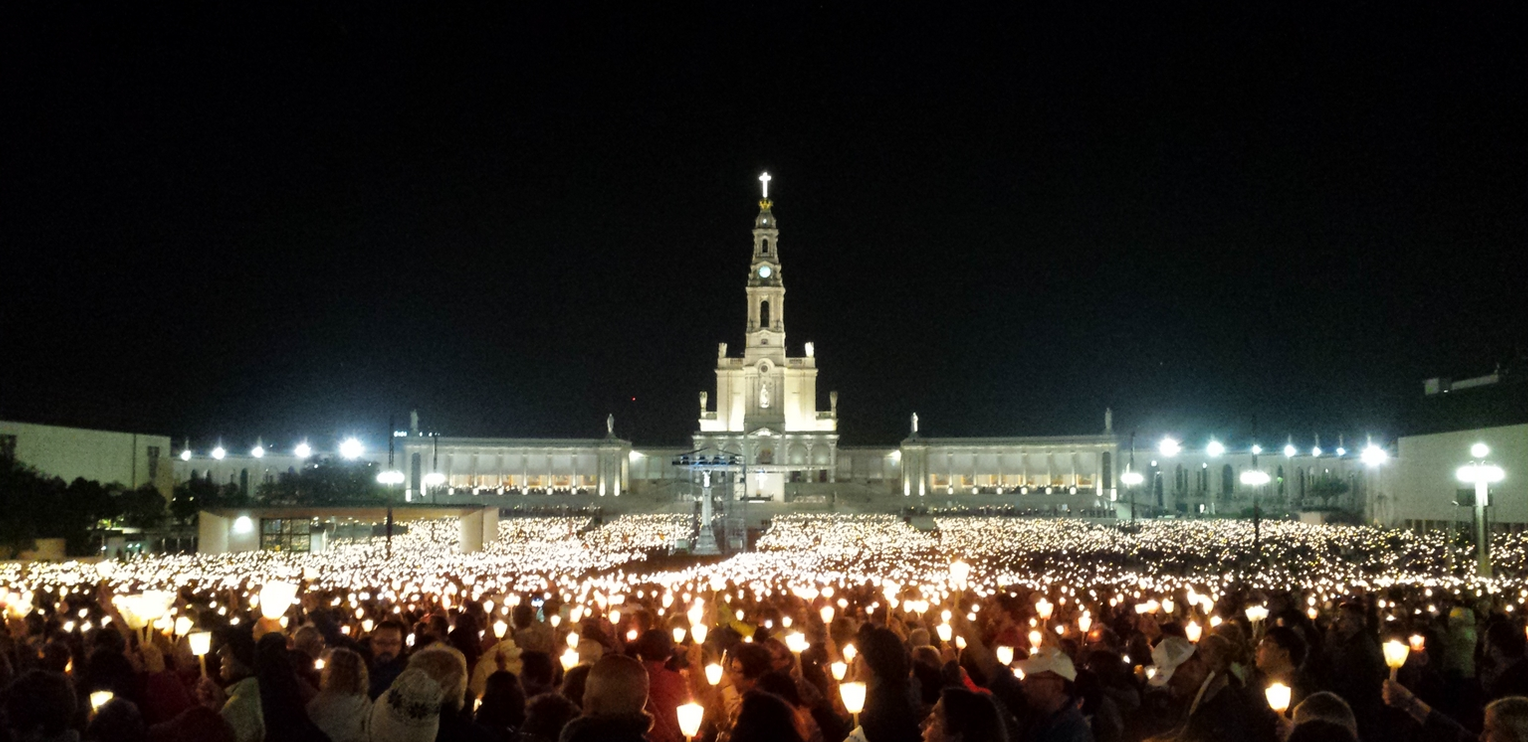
[(1505, 648), (614, 698), (1353, 665), (1214, 711), (342, 708), (1280, 658), (667, 689)]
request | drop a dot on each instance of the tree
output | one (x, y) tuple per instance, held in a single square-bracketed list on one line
[(326, 482), (1327, 487), (193, 496), (141, 508)]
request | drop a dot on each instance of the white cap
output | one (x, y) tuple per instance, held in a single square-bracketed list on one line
[(1049, 659), (1168, 655)]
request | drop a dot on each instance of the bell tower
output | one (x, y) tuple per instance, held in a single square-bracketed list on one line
[(765, 335)]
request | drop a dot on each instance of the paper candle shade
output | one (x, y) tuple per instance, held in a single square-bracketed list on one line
[(1278, 697), (276, 598), (713, 673), (201, 642), (698, 633), (1395, 653), (690, 715), (839, 670), (853, 695), (1005, 655)]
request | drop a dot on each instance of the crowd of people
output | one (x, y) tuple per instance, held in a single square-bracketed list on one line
[(732, 652)]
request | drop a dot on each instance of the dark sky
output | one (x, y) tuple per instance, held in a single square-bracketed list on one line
[(234, 220)]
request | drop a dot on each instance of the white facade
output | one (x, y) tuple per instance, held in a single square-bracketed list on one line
[(108, 457), (766, 401), (1423, 486)]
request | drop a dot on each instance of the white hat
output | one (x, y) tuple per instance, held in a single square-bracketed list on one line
[(1168, 655), (409, 711), (1049, 659)]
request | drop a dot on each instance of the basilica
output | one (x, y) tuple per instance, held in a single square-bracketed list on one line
[(769, 437), (766, 416)]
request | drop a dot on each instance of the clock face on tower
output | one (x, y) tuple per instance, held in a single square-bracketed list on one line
[(764, 271)]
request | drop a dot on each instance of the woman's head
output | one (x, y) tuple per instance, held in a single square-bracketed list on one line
[(765, 717), (345, 673)]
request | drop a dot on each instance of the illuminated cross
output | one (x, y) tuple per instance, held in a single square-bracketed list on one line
[(765, 180)]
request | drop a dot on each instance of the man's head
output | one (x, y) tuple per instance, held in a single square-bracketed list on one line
[(39, 705), (747, 664), (780, 659), (1350, 619), (1506, 720), (1180, 666), (236, 657), (1281, 650), (1049, 679), (1325, 706), (617, 686), (1506, 642), (447, 666), (387, 641), (655, 645), (522, 616), (308, 641)]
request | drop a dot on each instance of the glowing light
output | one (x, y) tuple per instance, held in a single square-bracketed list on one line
[(352, 448), (1254, 478), (218, 453), (1169, 447), (391, 476), (839, 669), (276, 598), (690, 715), (713, 673), (1215, 448), (1480, 473), (765, 180), (853, 695), (98, 699), (1278, 697), (185, 455), (1131, 478), (434, 479), (1256, 449), (258, 452), (303, 450), (201, 642), (1290, 450), (1480, 450), (1373, 455), (243, 524)]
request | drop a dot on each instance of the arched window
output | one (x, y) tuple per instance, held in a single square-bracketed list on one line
[(1281, 481), (764, 314), (1227, 481), (244, 481)]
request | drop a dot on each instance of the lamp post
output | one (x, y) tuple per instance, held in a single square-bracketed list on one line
[(1482, 475), (1256, 478), (1131, 478)]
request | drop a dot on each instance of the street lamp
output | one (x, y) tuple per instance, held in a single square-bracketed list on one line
[(1131, 478), (1169, 447), (1215, 448), (1482, 475), (1256, 479), (1373, 455), (303, 450), (352, 449)]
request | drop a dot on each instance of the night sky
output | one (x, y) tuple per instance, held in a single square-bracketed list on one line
[(232, 220)]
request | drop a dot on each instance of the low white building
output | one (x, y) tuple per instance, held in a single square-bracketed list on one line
[(108, 457)]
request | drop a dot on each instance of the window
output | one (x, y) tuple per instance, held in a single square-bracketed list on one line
[(153, 462), (289, 535), (7, 446), (764, 314)]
